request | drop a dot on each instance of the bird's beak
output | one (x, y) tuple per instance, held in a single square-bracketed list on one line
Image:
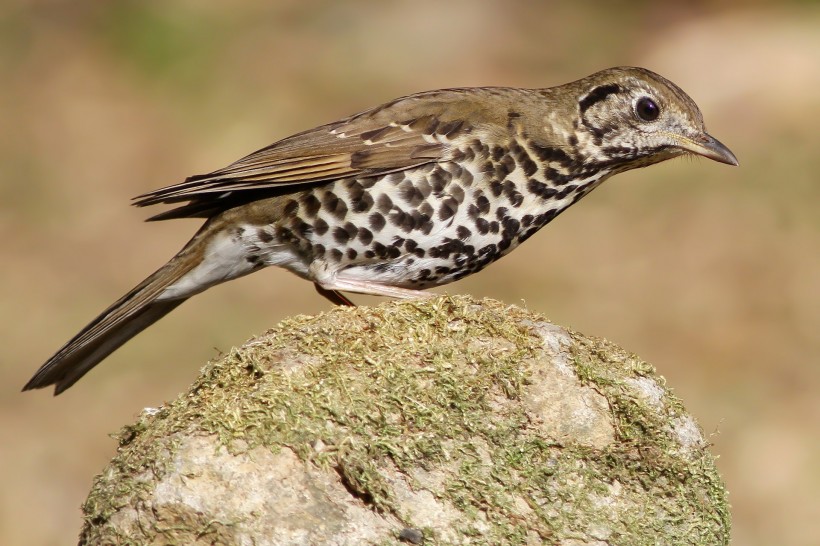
[(707, 146)]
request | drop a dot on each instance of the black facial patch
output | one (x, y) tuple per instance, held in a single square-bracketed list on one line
[(598, 94)]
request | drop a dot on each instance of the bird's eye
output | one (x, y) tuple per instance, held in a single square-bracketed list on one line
[(647, 109)]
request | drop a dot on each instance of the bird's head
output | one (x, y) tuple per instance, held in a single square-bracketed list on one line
[(632, 117)]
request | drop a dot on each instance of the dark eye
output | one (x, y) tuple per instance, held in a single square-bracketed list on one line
[(646, 109)]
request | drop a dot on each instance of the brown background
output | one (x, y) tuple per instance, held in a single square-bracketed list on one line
[(710, 272)]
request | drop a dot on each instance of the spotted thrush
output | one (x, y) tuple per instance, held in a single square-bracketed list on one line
[(419, 192)]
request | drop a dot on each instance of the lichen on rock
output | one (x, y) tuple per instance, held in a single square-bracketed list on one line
[(454, 420)]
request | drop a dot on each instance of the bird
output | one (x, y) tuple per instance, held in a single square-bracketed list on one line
[(416, 193)]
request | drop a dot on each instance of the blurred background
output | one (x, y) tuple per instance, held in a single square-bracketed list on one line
[(711, 273)]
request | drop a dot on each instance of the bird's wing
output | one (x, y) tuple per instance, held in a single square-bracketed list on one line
[(405, 133)]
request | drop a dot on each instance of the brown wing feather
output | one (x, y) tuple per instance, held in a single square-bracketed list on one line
[(396, 136)]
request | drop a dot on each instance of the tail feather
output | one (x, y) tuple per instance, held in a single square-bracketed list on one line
[(127, 317)]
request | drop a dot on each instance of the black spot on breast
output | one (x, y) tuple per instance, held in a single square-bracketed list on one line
[(380, 250), (487, 250), (496, 188), (557, 178), (376, 221), (456, 192), (455, 171), (311, 205), (548, 153), (544, 218), (566, 192), (515, 150), (334, 205), (351, 229), (508, 188), (529, 166), (439, 178), (318, 251), (504, 167), (540, 189), (404, 220), (510, 226), (340, 235), (384, 203), (354, 188), (483, 204), (447, 209), (320, 227), (516, 198), (527, 234), (424, 223), (455, 248), (466, 178), (509, 162), (365, 235), (463, 232), (351, 253), (410, 193), (363, 203), (482, 225), (336, 254), (423, 187)]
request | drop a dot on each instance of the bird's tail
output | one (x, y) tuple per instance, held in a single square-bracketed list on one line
[(128, 316)]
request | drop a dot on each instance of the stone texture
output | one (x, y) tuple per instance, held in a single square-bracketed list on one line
[(449, 421)]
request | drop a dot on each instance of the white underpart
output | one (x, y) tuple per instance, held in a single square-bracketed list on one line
[(225, 259)]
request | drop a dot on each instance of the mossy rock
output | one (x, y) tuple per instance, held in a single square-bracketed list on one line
[(442, 421)]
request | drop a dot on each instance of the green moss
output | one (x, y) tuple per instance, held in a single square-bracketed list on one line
[(434, 385)]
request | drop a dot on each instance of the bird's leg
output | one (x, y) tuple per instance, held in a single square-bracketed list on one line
[(330, 281), (335, 297)]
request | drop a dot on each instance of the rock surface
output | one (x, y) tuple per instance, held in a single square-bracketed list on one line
[(445, 421)]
